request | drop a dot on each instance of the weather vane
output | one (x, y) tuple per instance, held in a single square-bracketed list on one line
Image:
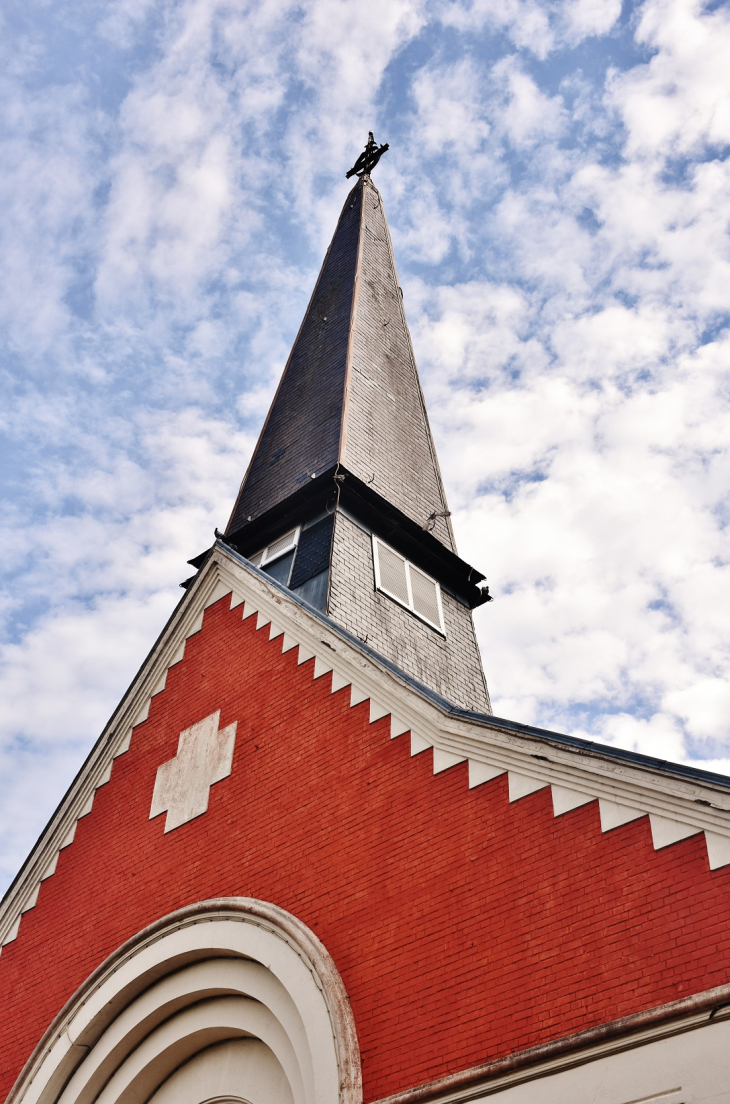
[(369, 158)]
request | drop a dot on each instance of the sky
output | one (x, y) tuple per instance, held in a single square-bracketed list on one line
[(557, 190)]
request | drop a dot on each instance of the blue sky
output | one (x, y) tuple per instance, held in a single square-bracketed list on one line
[(557, 190)]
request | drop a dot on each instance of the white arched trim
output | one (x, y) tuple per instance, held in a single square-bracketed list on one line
[(231, 968)]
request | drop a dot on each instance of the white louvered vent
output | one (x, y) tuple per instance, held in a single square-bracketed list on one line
[(276, 549), (407, 584), (425, 596), (280, 546), (393, 578)]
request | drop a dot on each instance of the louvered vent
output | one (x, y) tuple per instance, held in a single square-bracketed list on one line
[(280, 546), (425, 596), (393, 578), (407, 584)]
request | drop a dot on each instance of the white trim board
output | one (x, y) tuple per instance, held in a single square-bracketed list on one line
[(677, 807), (630, 1067)]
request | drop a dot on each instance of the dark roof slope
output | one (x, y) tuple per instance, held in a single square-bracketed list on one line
[(302, 430)]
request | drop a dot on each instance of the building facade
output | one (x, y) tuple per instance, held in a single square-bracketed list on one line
[(305, 864)]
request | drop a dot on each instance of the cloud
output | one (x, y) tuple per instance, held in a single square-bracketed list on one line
[(704, 707), (540, 28), (676, 104), (527, 115)]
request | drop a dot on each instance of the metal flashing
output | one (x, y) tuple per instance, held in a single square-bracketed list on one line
[(367, 509)]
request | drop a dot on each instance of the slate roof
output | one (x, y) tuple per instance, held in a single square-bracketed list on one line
[(350, 392)]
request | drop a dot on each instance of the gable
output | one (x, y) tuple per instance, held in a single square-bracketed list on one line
[(463, 886)]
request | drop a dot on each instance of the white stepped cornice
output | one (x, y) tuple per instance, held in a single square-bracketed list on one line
[(678, 807)]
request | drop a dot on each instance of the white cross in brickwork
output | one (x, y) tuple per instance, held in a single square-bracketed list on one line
[(204, 756)]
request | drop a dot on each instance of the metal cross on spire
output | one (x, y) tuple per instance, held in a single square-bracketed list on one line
[(369, 158)]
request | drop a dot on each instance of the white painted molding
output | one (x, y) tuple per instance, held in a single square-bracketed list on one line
[(12, 932), (196, 625), (624, 790), (357, 695), (442, 760), (87, 806), (51, 868), (418, 744), (160, 684), (377, 711), (479, 773), (124, 745), (665, 831), (31, 902), (718, 850), (177, 1040), (339, 681), (614, 815), (625, 1060), (106, 774), (114, 741), (321, 667), (220, 590), (520, 785), (564, 800), (235, 967), (144, 711)]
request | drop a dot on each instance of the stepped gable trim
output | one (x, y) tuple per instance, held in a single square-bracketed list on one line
[(96, 769), (84, 1016), (626, 1033), (680, 802)]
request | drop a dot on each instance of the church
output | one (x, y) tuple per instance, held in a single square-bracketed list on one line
[(305, 863)]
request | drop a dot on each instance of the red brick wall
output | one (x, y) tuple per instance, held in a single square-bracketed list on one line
[(464, 927)]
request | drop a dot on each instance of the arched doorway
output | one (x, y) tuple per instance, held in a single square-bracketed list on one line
[(226, 1000)]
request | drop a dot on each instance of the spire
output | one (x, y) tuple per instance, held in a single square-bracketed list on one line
[(350, 392), (343, 501)]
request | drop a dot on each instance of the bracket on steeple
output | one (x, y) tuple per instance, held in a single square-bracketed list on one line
[(369, 158)]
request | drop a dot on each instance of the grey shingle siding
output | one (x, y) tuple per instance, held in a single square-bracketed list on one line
[(449, 665), (388, 441)]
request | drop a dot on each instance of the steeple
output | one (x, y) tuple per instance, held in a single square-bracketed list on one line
[(343, 500), (350, 392)]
